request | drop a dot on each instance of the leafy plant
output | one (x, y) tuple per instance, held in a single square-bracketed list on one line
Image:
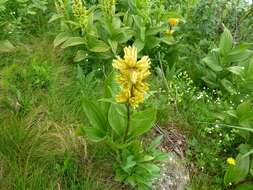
[(120, 128), (226, 64), (241, 119), (108, 26)]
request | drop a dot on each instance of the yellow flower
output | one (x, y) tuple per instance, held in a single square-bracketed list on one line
[(231, 161), (132, 74), (169, 32), (173, 21)]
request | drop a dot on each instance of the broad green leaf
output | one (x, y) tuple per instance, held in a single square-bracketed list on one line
[(95, 114), (244, 108), (55, 17), (113, 45), (96, 45), (73, 41), (110, 89), (155, 143), (210, 82), (240, 54), (155, 30), (80, 131), (248, 153), (146, 158), (232, 113), (236, 70), (129, 163), (94, 134), (245, 186), (141, 122), (152, 42), (110, 85), (60, 38), (151, 168), (244, 111), (169, 40), (228, 86), (226, 42), (124, 35), (239, 172), (139, 44), (117, 118), (80, 55), (6, 46), (212, 63)]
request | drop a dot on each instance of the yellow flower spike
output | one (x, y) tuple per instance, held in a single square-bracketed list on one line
[(132, 74), (231, 161), (173, 21)]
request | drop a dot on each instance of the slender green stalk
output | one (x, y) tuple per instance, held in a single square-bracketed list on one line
[(128, 123)]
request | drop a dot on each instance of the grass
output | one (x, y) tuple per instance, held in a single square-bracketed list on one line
[(40, 111)]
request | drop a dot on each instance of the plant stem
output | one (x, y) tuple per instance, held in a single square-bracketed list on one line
[(128, 123)]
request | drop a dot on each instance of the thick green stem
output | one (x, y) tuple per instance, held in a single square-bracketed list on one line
[(128, 123)]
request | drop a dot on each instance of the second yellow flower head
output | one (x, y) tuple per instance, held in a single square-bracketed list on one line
[(173, 21)]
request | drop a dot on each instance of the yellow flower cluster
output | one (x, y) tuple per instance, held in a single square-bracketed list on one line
[(80, 13), (131, 77), (231, 161)]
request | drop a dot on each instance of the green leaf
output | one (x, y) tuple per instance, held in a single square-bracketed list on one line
[(244, 108), (141, 122), (73, 41), (94, 134), (152, 42), (80, 55), (55, 17), (169, 40), (151, 168), (146, 158), (228, 86), (248, 153), (239, 172), (60, 38), (236, 70), (226, 42), (139, 44), (113, 45), (110, 85), (155, 30), (96, 45), (212, 63), (155, 143), (244, 111), (6, 46), (245, 186), (129, 163), (232, 113), (80, 131), (95, 114), (240, 54), (117, 118)]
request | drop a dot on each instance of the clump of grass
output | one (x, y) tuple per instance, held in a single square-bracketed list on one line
[(40, 111)]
